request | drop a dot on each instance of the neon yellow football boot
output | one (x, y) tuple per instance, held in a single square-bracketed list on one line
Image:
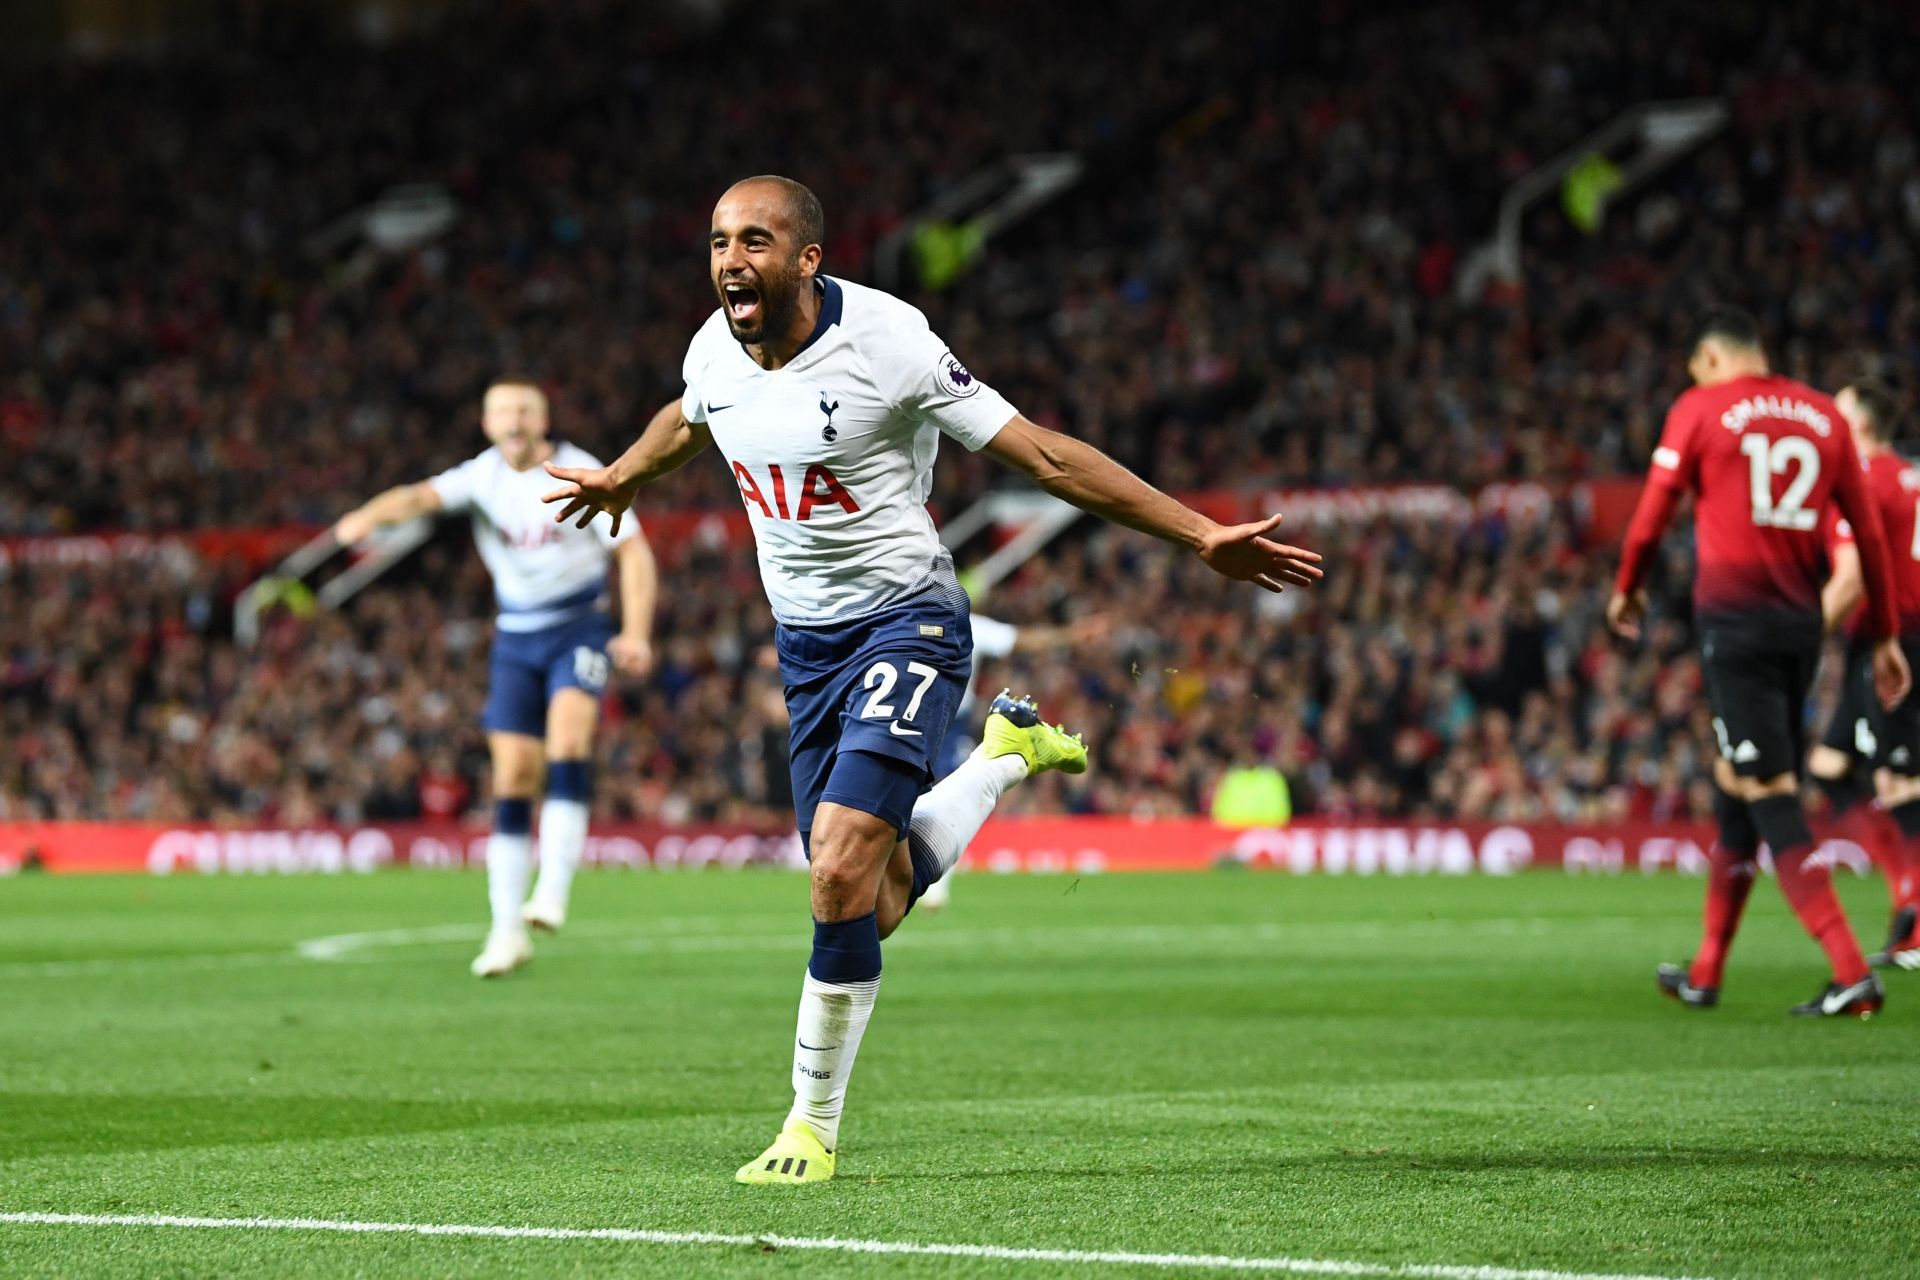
[(1014, 727), (795, 1157)]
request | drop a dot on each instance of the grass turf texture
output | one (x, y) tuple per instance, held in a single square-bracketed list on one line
[(1458, 1071)]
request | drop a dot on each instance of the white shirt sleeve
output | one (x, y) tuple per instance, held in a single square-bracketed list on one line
[(993, 638), (914, 370), (693, 405), (629, 529), (458, 486)]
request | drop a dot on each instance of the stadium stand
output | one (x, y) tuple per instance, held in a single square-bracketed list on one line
[(1248, 286)]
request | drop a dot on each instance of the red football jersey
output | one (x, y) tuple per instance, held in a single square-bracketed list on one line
[(1893, 484), (1765, 456)]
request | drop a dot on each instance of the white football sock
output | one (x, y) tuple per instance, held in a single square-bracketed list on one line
[(947, 818), (833, 1017), (509, 859), (563, 838)]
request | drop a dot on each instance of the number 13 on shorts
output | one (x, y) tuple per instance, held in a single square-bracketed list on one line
[(881, 679)]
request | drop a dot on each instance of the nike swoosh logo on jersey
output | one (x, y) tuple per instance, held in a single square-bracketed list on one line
[(716, 408), (894, 728)]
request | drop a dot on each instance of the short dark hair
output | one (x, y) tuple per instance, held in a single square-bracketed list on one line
[(1734, 326), (528, 381), (1882, 406), (809, 219)]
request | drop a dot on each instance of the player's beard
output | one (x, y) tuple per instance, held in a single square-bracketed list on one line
[(779, 302)]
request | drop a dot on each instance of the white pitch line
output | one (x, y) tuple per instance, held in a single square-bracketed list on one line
[(337, 946), (608, 936), (829, 1244), (739, 935), (333, 946)]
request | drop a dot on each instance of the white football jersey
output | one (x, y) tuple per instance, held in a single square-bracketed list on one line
[(544, 574), (833, 452)]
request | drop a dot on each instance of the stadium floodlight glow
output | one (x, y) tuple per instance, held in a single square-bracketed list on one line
[(1639, 143), (961, 219)]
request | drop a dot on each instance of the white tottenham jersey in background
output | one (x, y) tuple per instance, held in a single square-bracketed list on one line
[(833, 452), (992, 638), (544, 574)]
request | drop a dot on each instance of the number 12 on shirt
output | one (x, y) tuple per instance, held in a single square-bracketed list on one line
[(1770, 458)]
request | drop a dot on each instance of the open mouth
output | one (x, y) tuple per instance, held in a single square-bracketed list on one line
[(742, 300)]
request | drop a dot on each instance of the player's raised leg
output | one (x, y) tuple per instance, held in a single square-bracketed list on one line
[(1014, 745), (517, 766), (571, 718), (962, 738)]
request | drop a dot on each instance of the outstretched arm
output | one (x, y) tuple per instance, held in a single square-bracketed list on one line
[(1089, 630), (668, 441), (396, 506), (1076, 472)]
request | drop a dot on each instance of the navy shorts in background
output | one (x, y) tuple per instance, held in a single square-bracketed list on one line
[(528, 667), (884, 686)]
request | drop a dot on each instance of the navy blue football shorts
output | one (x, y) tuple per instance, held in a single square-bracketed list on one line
[(528, 667), (871, 702)]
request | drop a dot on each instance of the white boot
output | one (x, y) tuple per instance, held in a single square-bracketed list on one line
[(506, 950)]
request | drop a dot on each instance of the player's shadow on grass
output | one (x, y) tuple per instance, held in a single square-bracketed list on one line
[(34, 1124)]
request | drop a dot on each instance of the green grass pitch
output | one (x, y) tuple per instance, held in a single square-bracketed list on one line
[(1433, 1072)]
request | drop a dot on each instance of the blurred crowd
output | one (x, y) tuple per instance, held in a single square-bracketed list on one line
[(1254, 287), (1442, 670), (1256, 279), (123, 695)]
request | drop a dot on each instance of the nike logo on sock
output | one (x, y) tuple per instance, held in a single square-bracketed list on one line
[(817, 1048)]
